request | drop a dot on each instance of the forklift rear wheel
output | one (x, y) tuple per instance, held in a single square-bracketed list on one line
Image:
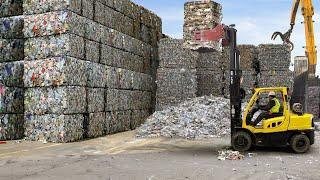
[(300, 143), (241, 141)]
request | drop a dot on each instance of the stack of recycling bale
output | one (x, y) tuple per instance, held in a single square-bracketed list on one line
[(274, 62), (209, 74), (200, 15), (88, 67), (11, 70), (313, 97), (176, 76), (248, 64)]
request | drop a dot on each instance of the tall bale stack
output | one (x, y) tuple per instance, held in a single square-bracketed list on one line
[(11, 70), (176, 76), (200, 15), (274, 62), (88, 69), (313, 99)]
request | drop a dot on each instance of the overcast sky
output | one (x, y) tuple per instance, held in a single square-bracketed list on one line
[(255, 20)]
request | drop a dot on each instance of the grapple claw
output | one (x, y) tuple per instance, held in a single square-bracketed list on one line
[(276, 34), (284, 37)]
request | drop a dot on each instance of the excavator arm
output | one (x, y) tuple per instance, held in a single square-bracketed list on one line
[(307, 10)]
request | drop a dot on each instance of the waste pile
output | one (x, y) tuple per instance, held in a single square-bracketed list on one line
[(198, 118), (200, 15), (11, 70), (176, 75), (230, 155)]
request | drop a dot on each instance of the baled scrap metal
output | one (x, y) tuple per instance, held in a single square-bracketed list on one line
[(88, 9), (249, 79), (39, 6), (209, 60), (276, 78), (111, 102), (99, 12), (11, 73), (54, 128), (209, 82), (53, 46), (248, 55), (94, 31), (138, 117), (108, 3), (92, 50), (11, 126), (96, 124), (145, 34), (96, 99), (313, 104), (173, 55), (200, 15), (274, 56), (125, 77), (11, 50), (11, 100), (55, 71), (137, 97), (112, 79), (11, 27), (96, 74), (51, 23), (114, 123), (11, 8), (176, 83), (124, 100), (55, 100), (198, 118)]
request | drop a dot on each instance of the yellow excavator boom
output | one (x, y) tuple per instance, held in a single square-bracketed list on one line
[(307, 10)]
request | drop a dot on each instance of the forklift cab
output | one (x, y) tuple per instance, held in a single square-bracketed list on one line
[(286, 129)]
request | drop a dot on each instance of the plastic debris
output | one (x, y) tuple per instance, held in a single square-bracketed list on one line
[(230, 155), (198, 118)]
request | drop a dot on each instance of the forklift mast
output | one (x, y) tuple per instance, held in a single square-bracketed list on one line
[(228, 35)]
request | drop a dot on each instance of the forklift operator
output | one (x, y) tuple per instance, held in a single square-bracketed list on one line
[(271, 110)]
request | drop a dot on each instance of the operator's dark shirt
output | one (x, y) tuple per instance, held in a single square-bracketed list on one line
[(267, 107)]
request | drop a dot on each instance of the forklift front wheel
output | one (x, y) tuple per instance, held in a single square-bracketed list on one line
[(300, 143), (241, 141)]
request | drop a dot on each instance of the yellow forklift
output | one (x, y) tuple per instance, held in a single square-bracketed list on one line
[(290, 128)]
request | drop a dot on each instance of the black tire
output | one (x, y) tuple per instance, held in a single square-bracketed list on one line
[(300, 143), (241, 141)]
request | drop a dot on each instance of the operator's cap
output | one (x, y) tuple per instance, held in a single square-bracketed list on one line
[(272, 93)]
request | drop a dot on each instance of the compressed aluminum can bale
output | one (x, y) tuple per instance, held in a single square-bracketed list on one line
[(248, 56), (40, 6), (11, 100), (209, 82), (146, 100), (96, 124), (137, 81), (249, 79), (110, 16), (111, 101), (145, 34), (96, 99), (112, 80), (125, 78), (93, 30), (173, 55), (51, 23), (134, 63), (122, 6), (53, 46), (137, 29), (180, 83), (99, 12), (11, 126), (125, 118), (11, 27), (137, 97), (276, 78), (209, 60), (11, 73), (11, 8), (313, 104), (124, 100), (55, 100), (54, 128), (138, 117), (200, 15), (55, 71), (274, 56), (11, 50), (146, 16), (96, 75), (108, 3), (114, 123), (127, 25), (88, 8), (92, 50)]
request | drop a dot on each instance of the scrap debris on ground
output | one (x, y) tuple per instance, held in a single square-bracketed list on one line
[(198, 118), (230, 155)]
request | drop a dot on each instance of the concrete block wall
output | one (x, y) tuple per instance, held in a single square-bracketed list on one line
[(11, 70), (88, 66)]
